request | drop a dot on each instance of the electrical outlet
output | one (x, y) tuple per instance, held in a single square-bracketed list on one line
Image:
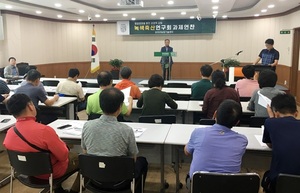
[(285, 82)]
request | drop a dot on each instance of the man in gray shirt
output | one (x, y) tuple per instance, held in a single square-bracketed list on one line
[(108, 137), (11, 70), (267, 81)]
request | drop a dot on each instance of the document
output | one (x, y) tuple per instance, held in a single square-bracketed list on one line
[(126, 93), (138, 131), (259, 139), (263, 100), (74, 129)]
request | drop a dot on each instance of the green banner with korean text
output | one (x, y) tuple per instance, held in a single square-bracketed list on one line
[(174, 26)]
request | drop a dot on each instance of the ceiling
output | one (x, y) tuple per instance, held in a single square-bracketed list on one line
[(102, 10)]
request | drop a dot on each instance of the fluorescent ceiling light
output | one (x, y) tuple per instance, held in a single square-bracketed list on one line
[(105, 19), (97, 15), (133, 19), (271, 6), (80, 20), (215, 7), (57, 5), (183, 13), (192, 17), (81, 11), (125, 14), (153, 14), (162, 18), (38, 12), (8, 6), (59, 16), (170, 2), (263, 10), (215, 1), (224, 16), (256, 15)]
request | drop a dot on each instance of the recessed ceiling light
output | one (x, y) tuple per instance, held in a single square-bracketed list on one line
[(215, 1), (57, 5), (256, 15), (8, 6), (125, 14), (170, 2), (264, 10), (81, 11), (118, 4), (192, 17), (162, 18), (133, 19), (80, 20), (38, 12), (105, 19), (224, 16), (97, 15), (271, 6), (59, 16), (215, 12), (183, 13), (215, 7), (153, 14)]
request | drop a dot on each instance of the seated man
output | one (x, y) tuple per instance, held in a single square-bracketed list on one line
[(126, 82), (154, 100), (217, 148), (36, 94), (215, 96), (11, 70), (70, 87), (200, 88), (93, 104), (245, 87), (282, 134), (42, 136), (267, 81), (3, 87), (107, 137)]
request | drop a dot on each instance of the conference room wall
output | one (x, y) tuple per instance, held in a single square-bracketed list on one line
[(42, 42)]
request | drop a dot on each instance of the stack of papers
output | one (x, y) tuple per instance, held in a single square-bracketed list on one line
[(126, 93), (74, 129), (138, 131), (263, 100)]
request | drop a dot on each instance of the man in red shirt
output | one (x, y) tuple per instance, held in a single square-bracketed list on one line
[(126, 82), (42, 136)]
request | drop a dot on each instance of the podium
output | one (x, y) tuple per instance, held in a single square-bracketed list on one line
[(259, 68), (166, 64)]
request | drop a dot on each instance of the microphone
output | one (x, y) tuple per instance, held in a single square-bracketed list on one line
[(239, 52)]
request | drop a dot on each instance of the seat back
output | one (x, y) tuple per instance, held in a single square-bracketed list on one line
[(167, 119), (206, 182), (2, 72), (93, 116), (30, 163), (91, 85), (50, 82), (178, 85), (245, 99), (207, 121), (257, 121), (287, 183), (22, 68), (106, 169), (173, 95)]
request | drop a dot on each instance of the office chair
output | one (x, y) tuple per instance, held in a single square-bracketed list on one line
[(206, 182), (257, 121), (92, 85), (107, 174), (22, 68), (24, 166), (287, 183), (50, 82), (207, 121), (245, 99), (178, 85), (167, 119)]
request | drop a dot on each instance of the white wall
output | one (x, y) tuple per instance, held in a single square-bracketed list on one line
[(39, 41)]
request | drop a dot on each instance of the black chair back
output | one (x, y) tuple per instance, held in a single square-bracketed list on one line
[(93, 116), (205, 182), (50, 82), (106, 169), (178, 85), (245, 99), (22, 68), (2, 72), (207, 121), (257, 121), (30, 163), (167, 119), (91, 85), (173, 95), (287, 183)]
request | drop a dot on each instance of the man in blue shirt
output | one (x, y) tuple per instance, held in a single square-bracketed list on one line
[(268, 56), (11, 70), (217, 148), (282, 134)]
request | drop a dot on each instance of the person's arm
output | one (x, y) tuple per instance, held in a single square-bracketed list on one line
[(5, 88), (4, 98), (50, 102), (57, 147), (129, 107), (276, 59), (140, 102), (136, 93), (7, 72), (81, 96), (266, 135), (270, 112), (186, 151), (251, 104), (256, 61), (275, 63), (170, 102)]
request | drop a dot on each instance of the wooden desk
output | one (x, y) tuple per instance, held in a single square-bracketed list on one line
[(154, 134)]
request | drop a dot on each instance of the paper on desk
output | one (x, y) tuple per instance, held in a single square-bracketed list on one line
[(259, 139), (138, 131), (263, 100), (126, 93), (75, 129)]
